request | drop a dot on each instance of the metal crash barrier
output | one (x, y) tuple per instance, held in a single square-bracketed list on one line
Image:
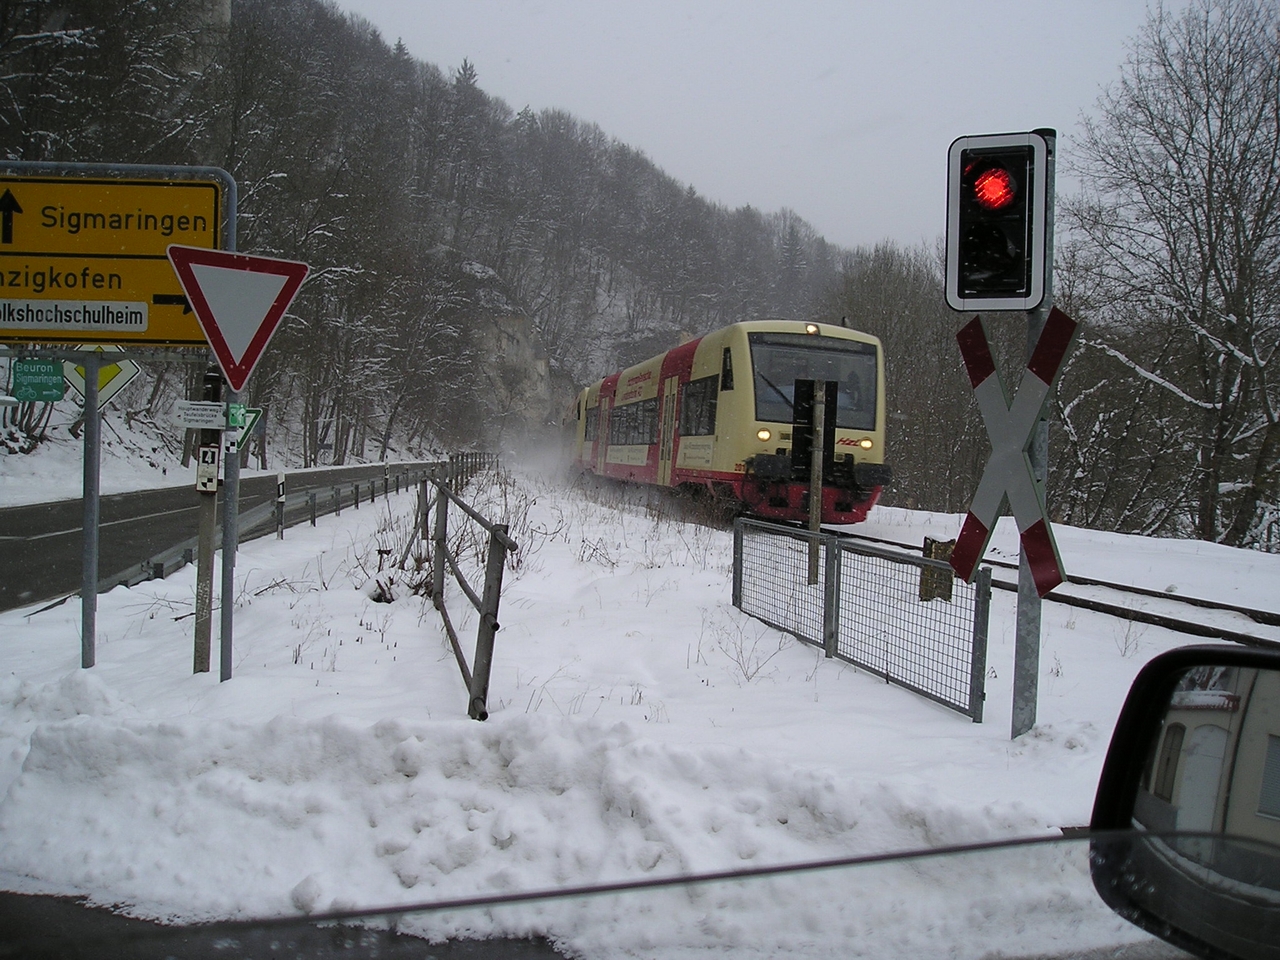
[(903, 618)]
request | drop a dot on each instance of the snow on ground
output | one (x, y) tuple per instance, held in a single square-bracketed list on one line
[(640, 726)]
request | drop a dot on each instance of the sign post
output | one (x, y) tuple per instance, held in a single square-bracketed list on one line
[(82, 260), (89, 521), (239, 301), (1000, 212), (206, 524)]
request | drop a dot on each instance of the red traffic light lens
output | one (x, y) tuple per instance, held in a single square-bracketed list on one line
[(994, 188)]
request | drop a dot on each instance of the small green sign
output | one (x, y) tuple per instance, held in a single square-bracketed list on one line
[(235, 415), (38, 381), (252, 423)]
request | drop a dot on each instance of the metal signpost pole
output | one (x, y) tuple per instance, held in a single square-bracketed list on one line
[(230, 540), (231, 496), (92, 459), (1026, 656)]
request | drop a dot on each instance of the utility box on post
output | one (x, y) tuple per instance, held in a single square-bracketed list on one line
[(996, 221)]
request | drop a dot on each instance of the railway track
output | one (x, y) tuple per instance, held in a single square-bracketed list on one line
[(1088, 593)]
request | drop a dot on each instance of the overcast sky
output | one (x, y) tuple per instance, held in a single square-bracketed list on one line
[(840, 111)]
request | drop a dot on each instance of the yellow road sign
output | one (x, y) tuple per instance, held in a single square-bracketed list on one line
[(83, 260)]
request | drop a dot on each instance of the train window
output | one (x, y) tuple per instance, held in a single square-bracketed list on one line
[(726, 370), (634, 423), (778, 360), (698, 406)]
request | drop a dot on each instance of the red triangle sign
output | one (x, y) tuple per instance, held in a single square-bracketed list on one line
[(239, 300)]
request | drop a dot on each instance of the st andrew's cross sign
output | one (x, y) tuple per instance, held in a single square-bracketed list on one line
[(1008, 472)]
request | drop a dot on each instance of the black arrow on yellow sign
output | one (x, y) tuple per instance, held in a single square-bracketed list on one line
[(167, 299), (8, 207)]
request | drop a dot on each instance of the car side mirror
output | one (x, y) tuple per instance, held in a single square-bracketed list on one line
[(1186, 823)]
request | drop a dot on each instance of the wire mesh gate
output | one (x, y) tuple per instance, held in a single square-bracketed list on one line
[(906, 619)]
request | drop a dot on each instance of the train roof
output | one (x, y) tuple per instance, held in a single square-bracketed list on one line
[(764, 325)]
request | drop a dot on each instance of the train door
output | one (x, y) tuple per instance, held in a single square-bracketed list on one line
[(667, 429), (602, 434)]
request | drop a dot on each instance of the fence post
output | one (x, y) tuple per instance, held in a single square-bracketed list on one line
[(355, 494), (831, 598), (337, 502), (311, 501), (438, 537), (978, 666), (478, 709), (424, 510), (737, 562)]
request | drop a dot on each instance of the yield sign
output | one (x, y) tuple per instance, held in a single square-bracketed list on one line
[(239, 301), (1008, 472)]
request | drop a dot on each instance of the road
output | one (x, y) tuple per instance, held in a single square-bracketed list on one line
[(62, 927), (42, 544)]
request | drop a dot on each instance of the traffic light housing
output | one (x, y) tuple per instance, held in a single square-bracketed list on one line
[(996, 221)]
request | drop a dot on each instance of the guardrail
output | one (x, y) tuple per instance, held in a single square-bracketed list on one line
[(485, 602), (906, 619), (305, 503)]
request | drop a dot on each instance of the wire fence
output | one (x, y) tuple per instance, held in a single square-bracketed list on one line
[(906, 619)]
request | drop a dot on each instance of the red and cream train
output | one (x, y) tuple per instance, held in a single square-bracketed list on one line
[(733, 412)]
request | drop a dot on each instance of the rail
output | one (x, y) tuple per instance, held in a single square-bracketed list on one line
[(1176, 624), (485, 602)]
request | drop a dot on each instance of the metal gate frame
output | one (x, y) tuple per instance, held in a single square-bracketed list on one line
[(935, 647)]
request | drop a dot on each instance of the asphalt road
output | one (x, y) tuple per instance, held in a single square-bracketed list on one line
[(64, 928), (42, 544)]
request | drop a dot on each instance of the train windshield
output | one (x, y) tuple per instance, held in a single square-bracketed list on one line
[(778, 360)]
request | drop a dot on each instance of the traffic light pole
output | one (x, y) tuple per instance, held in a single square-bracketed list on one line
[(1026, 656)]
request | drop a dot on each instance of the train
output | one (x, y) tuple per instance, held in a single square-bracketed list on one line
[(734, 412)]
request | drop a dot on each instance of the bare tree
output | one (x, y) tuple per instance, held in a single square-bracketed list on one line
[(1181, 216)]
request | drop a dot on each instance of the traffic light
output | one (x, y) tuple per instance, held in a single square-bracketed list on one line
[(996, 218)]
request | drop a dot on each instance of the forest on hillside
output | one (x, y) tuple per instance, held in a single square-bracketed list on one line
[(425, 206)]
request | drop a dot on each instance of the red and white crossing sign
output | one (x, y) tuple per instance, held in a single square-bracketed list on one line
[(239, 301), (1008, 472)]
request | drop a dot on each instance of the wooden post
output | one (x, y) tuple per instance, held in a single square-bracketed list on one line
[(439, 536), (206, 525), (496, 560)]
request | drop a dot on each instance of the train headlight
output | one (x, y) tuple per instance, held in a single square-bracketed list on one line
[(810, 328), (764, 435), (866, 443)]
